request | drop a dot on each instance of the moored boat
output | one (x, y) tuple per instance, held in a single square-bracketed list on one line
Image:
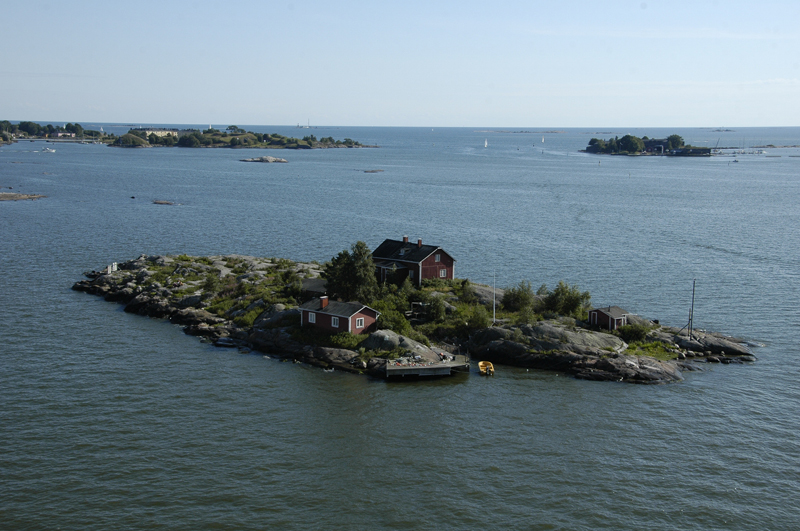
[(486, 368)]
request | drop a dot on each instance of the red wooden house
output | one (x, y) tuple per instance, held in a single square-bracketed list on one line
[(335, 316), (413, 261), (610, 317)]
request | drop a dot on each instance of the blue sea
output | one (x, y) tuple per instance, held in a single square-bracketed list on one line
[(116, 421)]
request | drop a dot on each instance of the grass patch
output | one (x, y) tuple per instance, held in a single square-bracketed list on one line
[(654, 349)]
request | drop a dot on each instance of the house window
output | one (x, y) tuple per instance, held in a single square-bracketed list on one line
[(443, 273), (411, 274), (438, 258), (360, 322), (335, 322), (312, 317)]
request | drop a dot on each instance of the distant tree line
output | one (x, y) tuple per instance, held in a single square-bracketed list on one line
[(32, 129)]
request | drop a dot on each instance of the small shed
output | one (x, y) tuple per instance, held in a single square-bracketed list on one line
[(335, 316), (609, 317)]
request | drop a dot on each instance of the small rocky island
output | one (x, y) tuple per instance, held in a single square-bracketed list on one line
[(253, 303), (11, 196), (266, 158)]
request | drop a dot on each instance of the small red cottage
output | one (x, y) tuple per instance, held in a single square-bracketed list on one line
[(610, 317), (414, 261), (334, 316)]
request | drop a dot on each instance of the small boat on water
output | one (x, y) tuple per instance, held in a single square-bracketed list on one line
[(486, 368), (48, 150)]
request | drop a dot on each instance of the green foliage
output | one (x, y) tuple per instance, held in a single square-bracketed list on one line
[(567, 300), (674, 142), (519, 298), (631, 144), (347, 340), (212, 284), (351, 276), (130, 140), (478, 318), (654, 349), (221, 307), (435, 309), (192, 140), (633, 333), (465, 292), (394, 321), (246, 320)]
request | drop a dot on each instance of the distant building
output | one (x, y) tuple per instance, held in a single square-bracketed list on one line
[(610, 317), (158, 131), (62, 134), (413, 261), (335, 316)]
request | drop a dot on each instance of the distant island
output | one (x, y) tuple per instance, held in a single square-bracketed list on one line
[(673, 146), (142, 137)]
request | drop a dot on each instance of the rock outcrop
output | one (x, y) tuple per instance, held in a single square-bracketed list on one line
[(266, 158), (592, 355)]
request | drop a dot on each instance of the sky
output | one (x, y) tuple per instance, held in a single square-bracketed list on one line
[(653, 63)]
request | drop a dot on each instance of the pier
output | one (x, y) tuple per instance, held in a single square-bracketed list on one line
[(409, 368)]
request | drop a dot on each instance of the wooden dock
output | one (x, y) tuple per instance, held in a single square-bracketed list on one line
[(398, 369)]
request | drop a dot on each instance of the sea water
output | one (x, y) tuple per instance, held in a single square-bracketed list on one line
[(111, 420)]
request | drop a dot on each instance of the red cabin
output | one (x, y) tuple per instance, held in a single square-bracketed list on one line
[(610, 317), (335, 316), (413, 261)]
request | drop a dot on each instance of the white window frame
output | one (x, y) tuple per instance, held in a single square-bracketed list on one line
[(359, 322), (438, 258), (335, 322), (443, 273), (312, 317)]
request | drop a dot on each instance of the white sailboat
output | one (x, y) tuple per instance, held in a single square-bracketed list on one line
[(542, 140), (486, 143)]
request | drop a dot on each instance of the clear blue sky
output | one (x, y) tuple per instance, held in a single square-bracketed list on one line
[(403, 63)]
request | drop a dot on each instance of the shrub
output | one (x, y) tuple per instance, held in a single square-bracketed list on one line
[(519, 297), (567, 300), (478, 318), (246, 320), (633, 333), (394, 321)]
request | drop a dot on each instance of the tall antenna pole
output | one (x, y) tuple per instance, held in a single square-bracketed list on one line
[(691, 311), (494, 297)]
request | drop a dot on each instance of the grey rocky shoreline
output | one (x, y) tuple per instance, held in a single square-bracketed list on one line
[(180, 289)]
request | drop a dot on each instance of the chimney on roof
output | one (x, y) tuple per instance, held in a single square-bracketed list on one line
[(323, 301), (419, 242), (405, 239)]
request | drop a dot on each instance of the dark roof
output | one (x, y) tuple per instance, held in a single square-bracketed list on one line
[(342, 309), (407, 251), (615, 312), (315, 285)]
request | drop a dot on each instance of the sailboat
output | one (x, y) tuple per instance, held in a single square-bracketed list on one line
[(486, 143), (542, 140)]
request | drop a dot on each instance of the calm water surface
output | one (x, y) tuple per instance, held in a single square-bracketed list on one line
[(116, 421)]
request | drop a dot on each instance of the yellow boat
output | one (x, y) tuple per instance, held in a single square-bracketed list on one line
[(486, 368)]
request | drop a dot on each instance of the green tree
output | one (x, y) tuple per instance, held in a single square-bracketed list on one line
[(674, 142), (518, 297), (567, 300), (631, 144), (351, 275), (191, 140)]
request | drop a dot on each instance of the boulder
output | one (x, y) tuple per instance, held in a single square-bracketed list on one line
[(388, 340), (193, 316)]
